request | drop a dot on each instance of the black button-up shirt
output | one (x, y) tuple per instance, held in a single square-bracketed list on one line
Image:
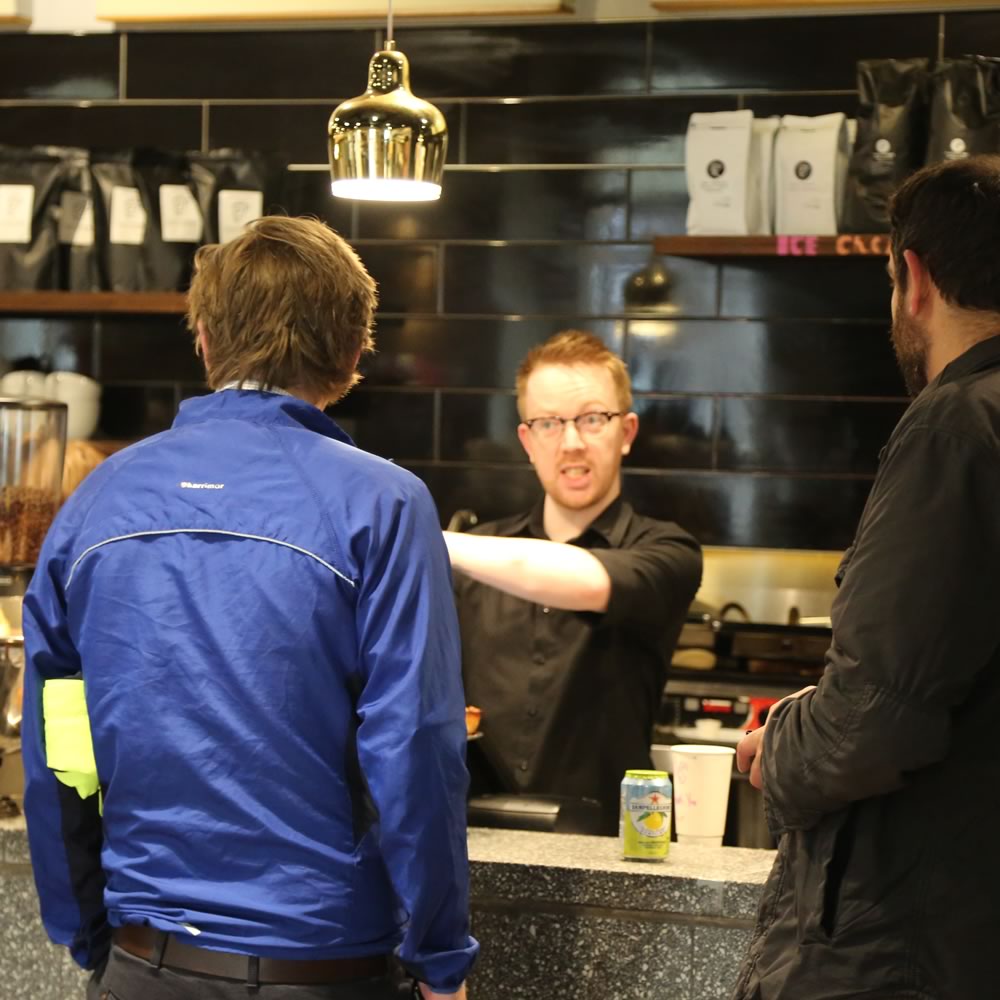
[(569, 698)]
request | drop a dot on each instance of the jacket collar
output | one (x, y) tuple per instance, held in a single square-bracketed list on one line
[(980, 357), (609, 525), (258, 407)]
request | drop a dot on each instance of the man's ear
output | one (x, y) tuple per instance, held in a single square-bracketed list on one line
[(201, 342), (524, 436), (919, 286), (630, 427)]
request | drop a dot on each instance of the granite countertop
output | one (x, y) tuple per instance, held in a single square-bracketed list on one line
[(566, 868)]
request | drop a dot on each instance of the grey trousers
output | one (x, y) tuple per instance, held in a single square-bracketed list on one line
[(126, 977)]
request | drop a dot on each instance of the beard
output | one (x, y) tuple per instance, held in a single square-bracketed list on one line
[(909, 341)]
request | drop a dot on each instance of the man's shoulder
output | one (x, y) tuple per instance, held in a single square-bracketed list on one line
[(969, 409), (641, 529)]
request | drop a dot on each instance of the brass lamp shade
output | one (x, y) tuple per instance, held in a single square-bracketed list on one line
[(387, 144)]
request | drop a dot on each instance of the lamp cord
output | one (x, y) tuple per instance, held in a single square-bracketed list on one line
[(388, 28)]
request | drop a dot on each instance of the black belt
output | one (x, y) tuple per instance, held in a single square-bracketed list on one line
[(159, 948)]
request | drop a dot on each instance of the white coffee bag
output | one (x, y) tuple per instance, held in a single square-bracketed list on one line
[(721, 176), (762, 153), (810, 159)]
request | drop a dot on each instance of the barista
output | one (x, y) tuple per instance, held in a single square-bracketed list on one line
[(570, 612)]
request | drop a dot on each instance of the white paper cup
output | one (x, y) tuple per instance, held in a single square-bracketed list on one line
[(701, 792)]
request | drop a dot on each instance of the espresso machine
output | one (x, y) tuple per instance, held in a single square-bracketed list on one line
[(32, 448)]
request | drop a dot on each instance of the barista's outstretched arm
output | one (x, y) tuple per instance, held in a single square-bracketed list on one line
[(552, 573)]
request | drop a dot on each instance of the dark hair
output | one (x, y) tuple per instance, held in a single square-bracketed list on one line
[(949, 216), (287, 303)]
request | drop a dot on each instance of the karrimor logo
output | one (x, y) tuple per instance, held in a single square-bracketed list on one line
[(185, 485)]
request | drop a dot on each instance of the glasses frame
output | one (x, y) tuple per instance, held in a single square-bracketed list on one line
[(575, 421)]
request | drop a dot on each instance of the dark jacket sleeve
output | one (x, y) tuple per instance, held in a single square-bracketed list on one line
[(655, 579), (914, 624)]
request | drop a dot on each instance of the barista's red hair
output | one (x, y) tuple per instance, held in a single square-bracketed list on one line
[(575, 347)]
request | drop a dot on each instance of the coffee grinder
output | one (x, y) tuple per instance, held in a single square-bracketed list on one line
[(32, 448)]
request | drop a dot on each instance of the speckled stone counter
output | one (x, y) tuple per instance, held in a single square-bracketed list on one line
[(564, 917), (559, 917), (30, 966)]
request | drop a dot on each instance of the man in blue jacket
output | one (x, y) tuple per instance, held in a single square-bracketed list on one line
[(244, 730)]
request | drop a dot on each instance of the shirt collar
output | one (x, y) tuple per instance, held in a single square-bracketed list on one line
[(609, 525), (260, 407), (251, 386), (978, 358)]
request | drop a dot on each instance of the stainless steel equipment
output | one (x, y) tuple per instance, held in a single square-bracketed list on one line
[(546, 813), (11, 677), (32, 448)]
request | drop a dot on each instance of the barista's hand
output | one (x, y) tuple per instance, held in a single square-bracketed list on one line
[(428, 994), (750, 749)]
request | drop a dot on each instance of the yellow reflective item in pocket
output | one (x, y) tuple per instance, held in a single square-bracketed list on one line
[(69, 748)]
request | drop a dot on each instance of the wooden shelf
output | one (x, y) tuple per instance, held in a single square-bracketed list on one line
[(845, 245), (46, 303)]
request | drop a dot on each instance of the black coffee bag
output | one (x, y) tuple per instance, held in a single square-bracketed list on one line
[(890, 140), (176, 225), (78, 264), (965, 109), (29, 224), (121, 219), (235, 188)]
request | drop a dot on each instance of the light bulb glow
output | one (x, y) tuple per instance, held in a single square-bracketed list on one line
[(385, 189)]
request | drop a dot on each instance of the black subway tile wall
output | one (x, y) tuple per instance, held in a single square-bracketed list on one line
[(620, 130), (512, 205), (526, 61), (243, 65), (765, 388), (789, 53), (58, 67), (101, 126)]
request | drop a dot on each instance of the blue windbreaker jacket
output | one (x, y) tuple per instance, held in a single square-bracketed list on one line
[(263, 619)]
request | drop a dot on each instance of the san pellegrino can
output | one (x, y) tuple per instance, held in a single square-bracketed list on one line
[(644, 819)]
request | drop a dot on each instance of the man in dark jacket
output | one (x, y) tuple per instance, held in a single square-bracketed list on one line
[(882, 782)]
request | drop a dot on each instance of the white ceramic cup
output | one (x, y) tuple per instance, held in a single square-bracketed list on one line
[(701, 792), (663, 759), (82, 396), (24, 383)]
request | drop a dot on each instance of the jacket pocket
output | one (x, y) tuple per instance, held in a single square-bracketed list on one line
[(836, 869), (822, 858)]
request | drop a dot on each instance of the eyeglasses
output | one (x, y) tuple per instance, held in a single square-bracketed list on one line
[(548, 428)]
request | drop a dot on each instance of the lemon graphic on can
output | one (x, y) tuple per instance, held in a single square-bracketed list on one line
[(653, 821)]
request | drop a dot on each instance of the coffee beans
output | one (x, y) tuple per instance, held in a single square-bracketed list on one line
[(25, 515)]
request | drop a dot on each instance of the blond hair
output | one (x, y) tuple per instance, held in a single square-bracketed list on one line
[(575, 347), (287, 303)]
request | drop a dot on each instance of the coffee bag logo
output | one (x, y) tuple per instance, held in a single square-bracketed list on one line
[(803, 170), (716, 168), (883, 153)]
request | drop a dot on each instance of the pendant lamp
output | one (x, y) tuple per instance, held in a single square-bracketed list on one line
[(387, 144)]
